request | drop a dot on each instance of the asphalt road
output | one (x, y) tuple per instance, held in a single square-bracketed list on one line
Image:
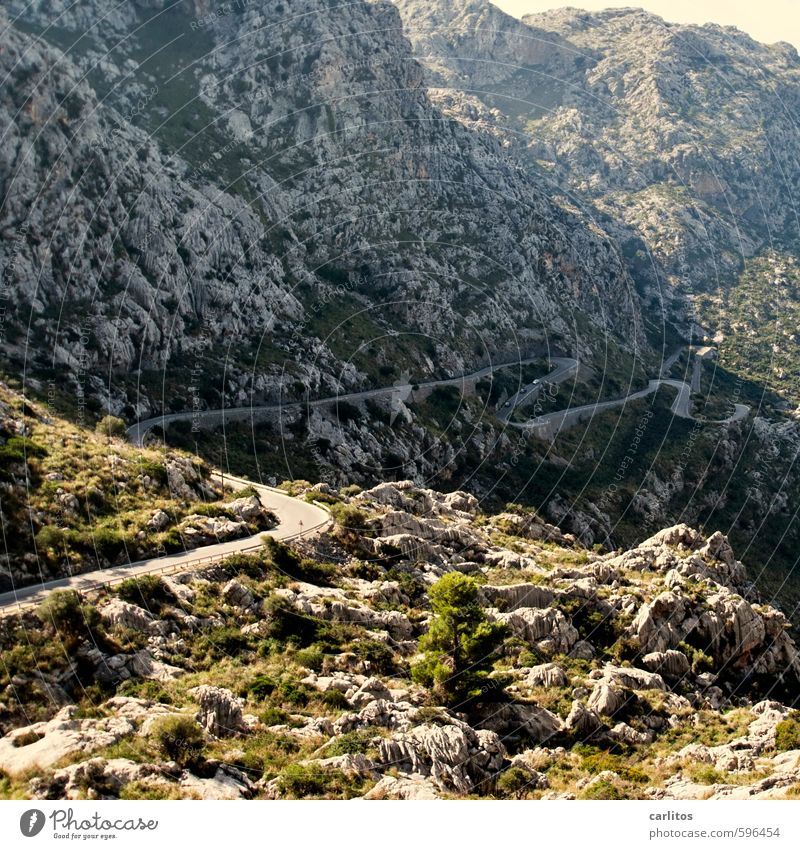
[(295, 518), (550, 424), (670, 361), (565, 367), (137, 432)]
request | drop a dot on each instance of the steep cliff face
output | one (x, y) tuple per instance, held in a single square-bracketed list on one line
[(269, 185), (681, 134)]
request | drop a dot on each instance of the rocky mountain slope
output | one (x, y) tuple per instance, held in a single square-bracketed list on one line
[(75, 500), (210, 209), (648, 673), (260, 191), (680, 141), (680, 138)]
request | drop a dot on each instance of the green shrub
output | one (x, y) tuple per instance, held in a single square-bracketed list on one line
[(378, 655), (409, 585), (273, 716), (603, 790), (286, 623), (247, 492), (514, 783), (155, 471), (283, 558), (291, 693), (172, 541), (352, 743), (598, 762), (19, 448), (288, 562), (349, 520), (302, 781), (252, 565), (69, 615), (111, 426), (322, 497), (213, 510), (147, 591), (625, 649), (312, 658), (700, 661), (144, 689), (335, 699), (261, 687), (107, 542), (51, 539), (225, 641), (706, 774), (787, 734), (179, 739)]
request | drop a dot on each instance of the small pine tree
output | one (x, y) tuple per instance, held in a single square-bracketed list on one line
[(458, 647)]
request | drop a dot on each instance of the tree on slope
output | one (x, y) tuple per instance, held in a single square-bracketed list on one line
[(458, 648)]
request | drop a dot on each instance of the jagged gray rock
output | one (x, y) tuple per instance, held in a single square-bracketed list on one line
[(455, 757), (220, 711)]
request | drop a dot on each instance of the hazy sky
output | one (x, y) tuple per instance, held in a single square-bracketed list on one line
[(765, 20)]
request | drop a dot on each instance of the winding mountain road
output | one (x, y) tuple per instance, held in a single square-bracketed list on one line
[(565, 367), (550, 424), (296, 518), (210, 418)]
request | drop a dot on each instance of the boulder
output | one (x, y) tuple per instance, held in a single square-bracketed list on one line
[(369, 691), (220, 711), (158, 521), (333, 604), (97, 778), (357, 765), (119, 613), (238, 595), (673, 664), (227, 783), (582, 721), (606, 699), (144, 665), (532, 625), (546, 675), (404, 787), (514, 596), (42, 744), (456, 757), (632, 678), (380, 712), (582, 650), (623, 733), (662, 623), (538, 723), (249, 509), (137, 710)]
